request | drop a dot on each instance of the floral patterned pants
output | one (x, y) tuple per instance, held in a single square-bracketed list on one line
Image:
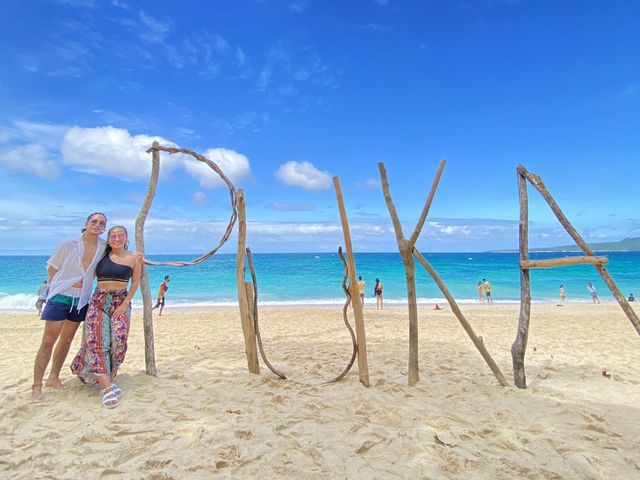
[(104, 339)]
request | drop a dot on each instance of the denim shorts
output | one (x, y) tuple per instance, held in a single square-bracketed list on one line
[(62, 307)]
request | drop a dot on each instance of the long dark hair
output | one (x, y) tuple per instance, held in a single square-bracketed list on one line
[(108, 249)]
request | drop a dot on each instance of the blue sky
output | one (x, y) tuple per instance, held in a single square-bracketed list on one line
[(284, 95)]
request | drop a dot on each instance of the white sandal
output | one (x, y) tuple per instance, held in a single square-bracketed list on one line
[(116, 389), (109, 398)]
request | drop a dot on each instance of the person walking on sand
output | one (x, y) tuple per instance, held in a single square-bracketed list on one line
[(563, 293), (593, 292), (70, 270), (43, 291), (377, 292), (106, 329), (161, 292), (480, 289), (361, 285), (487, 290)]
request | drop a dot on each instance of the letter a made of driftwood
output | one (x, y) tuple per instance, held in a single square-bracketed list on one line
[(519, 346)]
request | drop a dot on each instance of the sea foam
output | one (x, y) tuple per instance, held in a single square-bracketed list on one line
[(19, 301)]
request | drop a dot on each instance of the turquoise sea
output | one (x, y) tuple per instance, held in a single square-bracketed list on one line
[(315, 278)]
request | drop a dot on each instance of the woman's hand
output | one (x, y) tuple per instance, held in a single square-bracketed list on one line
[(118, 312)]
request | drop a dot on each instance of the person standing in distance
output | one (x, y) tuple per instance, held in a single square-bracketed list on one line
[(43, 291), (377, 292), (593, 292), (71, 269), (487, 290), (161, 292), (480, 289)]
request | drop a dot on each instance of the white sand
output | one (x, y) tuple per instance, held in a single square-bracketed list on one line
[(205, 416)]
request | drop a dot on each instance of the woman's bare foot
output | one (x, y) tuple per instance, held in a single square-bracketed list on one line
[(36, 392), (54, 383)]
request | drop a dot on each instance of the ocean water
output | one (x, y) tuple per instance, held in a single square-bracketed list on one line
[(315, 278)]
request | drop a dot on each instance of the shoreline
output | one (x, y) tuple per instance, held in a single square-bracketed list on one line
[(368, 305)]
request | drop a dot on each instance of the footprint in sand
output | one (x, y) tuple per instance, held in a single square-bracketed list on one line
[(244, 434)]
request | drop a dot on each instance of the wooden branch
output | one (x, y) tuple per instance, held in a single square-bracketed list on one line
[(413, 371), (243, 304), (139, 233), (397, 226), (477, 341), (363, 367), (537, 182), (427, 206), (232, 193), (519, 346), (345, 308), (255, 317), (563, 262), (149, 350)]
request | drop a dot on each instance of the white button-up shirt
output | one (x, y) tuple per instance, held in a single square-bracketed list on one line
[(67, 260)]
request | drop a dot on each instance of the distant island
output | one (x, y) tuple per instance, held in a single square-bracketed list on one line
[(625, 245)]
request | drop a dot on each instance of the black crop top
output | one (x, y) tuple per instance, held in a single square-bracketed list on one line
[(107, 269)]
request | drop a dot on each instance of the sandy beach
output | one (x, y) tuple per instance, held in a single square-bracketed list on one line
[(204, 416)]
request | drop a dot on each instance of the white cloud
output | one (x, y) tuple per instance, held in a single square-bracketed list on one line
[(44, 134), (369, 183), (153, 30), (631, 90), (233, 164), (112, 151), (5, 134), (291, 207), (199, 198), (298, 228), (304, 175), (77, 3), (265, 78), (241, 58), (30, 158), (298, 6), (221, 44)]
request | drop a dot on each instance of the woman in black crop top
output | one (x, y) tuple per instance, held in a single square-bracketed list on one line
[(106, 327)]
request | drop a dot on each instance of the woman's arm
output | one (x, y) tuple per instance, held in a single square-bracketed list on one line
[(135, 282)]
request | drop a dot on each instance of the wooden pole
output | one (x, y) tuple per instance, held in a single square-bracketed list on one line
[(477, 341), (252, 298), (563, 262), (243, 302), (147, 314), (363, 367), (519, 346), (537, 182), (406, 253)]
